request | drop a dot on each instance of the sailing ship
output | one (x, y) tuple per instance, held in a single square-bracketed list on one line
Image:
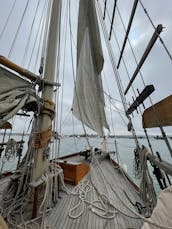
[(89, 188)]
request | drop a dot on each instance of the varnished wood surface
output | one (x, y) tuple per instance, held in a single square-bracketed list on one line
[(158, 114), (74, 173)]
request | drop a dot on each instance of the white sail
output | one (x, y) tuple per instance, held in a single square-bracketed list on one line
[(88, 102), (15, 94)]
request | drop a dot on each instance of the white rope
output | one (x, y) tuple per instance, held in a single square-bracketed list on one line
[(38, 33), (18, 29), (7, 20), (116, 72), (82, 190), (13, 205), (160, 38), (124, 203), (146, 185), (46, 204), (30, 34)]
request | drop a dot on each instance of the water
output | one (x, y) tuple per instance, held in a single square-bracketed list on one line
[(125, 147), (11, 164)]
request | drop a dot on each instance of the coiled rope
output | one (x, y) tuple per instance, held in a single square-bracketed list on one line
[(101, 207), (158, 225)]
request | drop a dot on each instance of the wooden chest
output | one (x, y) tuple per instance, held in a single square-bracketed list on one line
[(74, 171)]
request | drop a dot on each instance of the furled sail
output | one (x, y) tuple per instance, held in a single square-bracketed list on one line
[(15, 94), (88, 102)]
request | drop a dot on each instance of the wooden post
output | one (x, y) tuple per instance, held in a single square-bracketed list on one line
[(35, 203), (58, 181)]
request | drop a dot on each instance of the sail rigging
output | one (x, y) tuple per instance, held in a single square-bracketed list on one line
[(38, 180), (88, 103), (15, 94)]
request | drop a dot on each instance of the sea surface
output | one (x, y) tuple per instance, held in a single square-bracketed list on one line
[(125, 147)]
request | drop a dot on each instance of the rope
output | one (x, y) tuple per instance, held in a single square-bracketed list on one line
[(42, 138), (7, 20), (113, 129), (1, 151), (126, 69), (63, 76), (11, 149), (18, 29), (29, 37), (110, 199), (108, 95), (65, 120), (155, 112), (160, 38), (46, 203), (40, 42), (38, 32), (85, 132), (116, 73), (82, 190), (124, 203), (161, 128), (147, 190), (74, 135), (14, 200)]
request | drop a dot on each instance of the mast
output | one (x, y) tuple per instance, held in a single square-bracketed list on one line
[(44, 131)]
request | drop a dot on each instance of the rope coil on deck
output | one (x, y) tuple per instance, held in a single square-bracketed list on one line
[(101, 207)]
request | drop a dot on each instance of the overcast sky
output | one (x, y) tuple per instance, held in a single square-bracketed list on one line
[(156, 70)]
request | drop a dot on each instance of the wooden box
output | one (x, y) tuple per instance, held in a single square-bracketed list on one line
[(74, 171)]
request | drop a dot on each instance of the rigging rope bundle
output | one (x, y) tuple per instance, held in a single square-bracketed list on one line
[(11, 149), (136, 163), (146, 186), (137, 215)]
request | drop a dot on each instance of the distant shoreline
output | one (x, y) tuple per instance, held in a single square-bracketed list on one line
[(158, 137)]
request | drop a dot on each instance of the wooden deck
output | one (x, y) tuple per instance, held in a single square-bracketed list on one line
[(104, 179), (111, 183)]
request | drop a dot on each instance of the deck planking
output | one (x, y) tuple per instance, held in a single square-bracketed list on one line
[(60, 219)]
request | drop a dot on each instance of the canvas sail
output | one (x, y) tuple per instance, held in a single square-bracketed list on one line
[(15, 94), (88, 102)]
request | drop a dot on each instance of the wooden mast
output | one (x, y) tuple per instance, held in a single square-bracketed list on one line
[(43, 135)]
